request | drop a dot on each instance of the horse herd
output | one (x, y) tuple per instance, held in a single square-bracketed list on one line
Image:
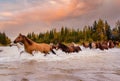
[(102, 45), (31, 46)]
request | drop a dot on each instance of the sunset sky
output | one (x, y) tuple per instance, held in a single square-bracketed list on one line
[(23, 16)]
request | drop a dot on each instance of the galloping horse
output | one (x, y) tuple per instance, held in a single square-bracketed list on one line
[(111, 44), (19, 46), (68, 49), (31, 46), (63, 48), (103, 45), (86, 44)]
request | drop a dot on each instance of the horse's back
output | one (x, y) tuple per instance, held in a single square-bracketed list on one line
[(44, 47)]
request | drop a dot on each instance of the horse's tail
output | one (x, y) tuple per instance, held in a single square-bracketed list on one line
[(53, 51)]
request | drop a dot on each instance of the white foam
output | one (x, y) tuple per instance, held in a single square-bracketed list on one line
[(11, 54)]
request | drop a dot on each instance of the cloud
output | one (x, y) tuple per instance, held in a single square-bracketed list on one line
[(55, 11), (6, 14), (35, 14), (31, 15)]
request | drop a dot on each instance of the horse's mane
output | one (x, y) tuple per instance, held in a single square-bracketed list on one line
[(30, 42), (62, 45)]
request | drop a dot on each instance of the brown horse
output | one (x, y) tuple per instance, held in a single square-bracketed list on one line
[(111, 44), (85, 44), (92, 45), (68, 49), (103, 45), (116, 43), (64, 48), (31, 46), (76, 47)]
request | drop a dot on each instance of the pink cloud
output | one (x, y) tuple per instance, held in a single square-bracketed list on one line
[(56, 12), (49, 12)]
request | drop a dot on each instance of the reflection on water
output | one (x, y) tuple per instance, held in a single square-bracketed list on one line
[(88, 65)]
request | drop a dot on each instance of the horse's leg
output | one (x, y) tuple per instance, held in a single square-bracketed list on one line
[(32, 54), (21, 52), (1, 50), (45, 54), (53, 52)]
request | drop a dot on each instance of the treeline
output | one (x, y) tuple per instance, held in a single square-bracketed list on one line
[(99, 31), (4, 40)]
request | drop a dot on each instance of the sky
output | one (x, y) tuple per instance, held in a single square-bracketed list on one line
[(24, 16)]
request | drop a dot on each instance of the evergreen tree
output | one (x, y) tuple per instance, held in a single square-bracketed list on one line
[(4, 40), (99, 31)]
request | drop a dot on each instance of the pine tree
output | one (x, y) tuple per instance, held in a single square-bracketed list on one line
[(4, 40)]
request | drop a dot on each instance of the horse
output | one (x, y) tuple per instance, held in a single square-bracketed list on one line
[(92, 45), (19, 46), (76, 47), (86, 44), (116, 43), (31, 46), (68, 49), (63, 47), (111, 44), (103, 45), (53, 46), (97, 44)]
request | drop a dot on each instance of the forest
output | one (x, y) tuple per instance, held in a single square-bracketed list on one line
[(99, 31), (4, 40)]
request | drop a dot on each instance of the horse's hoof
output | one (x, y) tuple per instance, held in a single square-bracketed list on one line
[(45, 54), (1, 50), (32, 54)]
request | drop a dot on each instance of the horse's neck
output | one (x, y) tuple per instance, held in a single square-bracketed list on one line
[(64, 46), (27, 42)]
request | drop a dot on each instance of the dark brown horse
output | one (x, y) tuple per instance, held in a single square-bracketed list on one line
[(111, 44), (63, 47), (31, 46), (116, 43), (68, 49), (103, 45)]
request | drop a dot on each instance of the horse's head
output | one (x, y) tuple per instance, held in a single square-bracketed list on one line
[(20, 38), (61, 46)]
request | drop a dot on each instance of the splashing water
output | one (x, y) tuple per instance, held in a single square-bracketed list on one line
[(87, 65)]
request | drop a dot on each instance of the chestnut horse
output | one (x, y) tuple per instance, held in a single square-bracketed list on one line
[(31, 46)]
